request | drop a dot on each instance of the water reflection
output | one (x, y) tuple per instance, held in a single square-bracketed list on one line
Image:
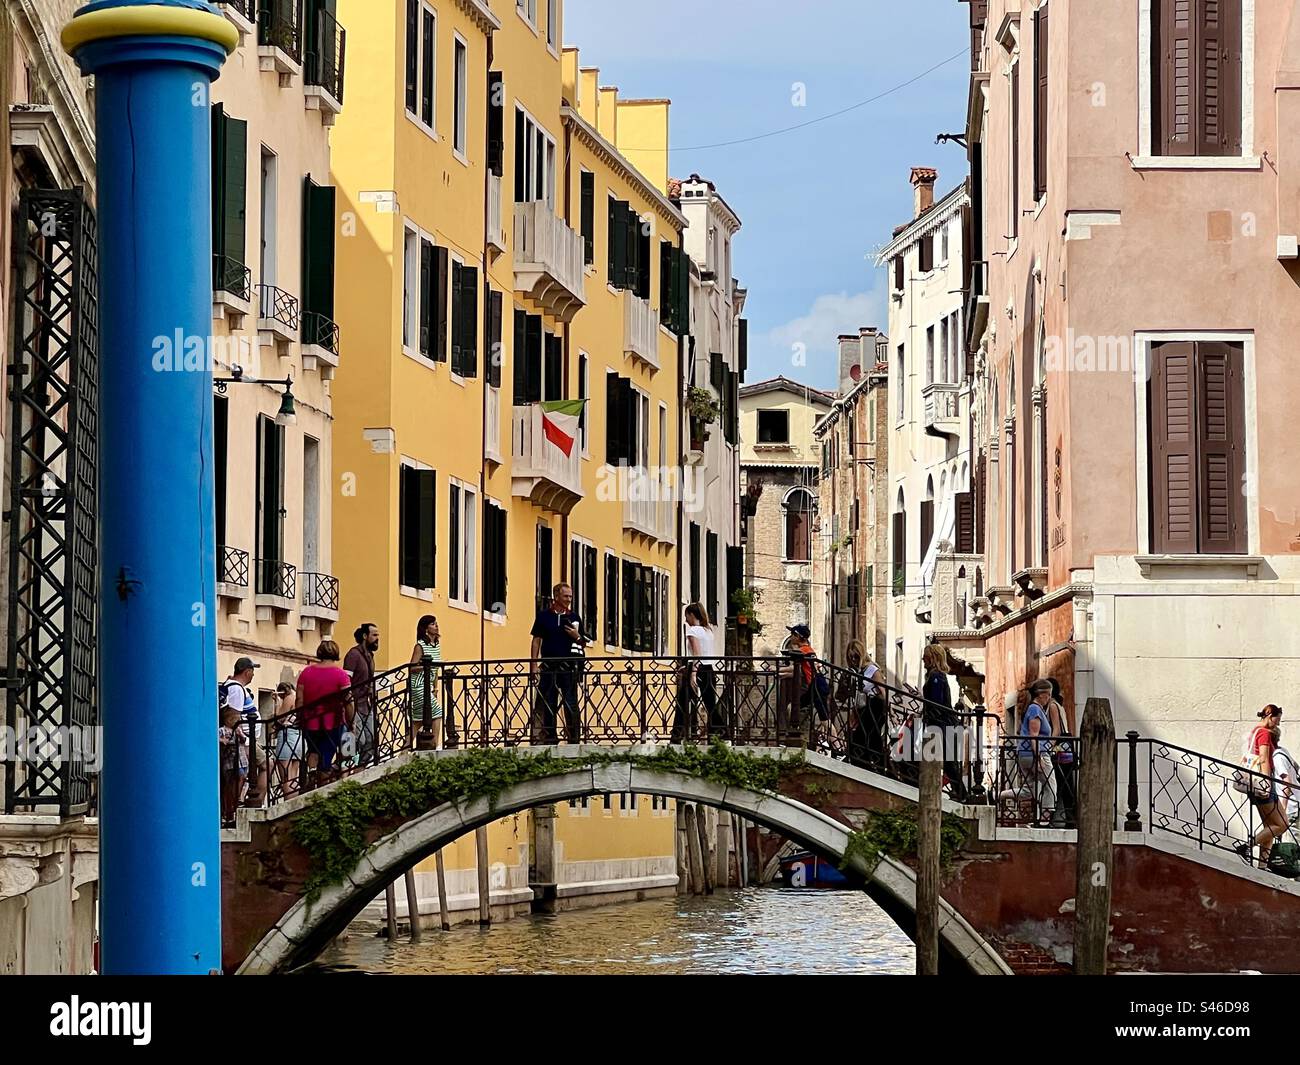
[(757, 930)]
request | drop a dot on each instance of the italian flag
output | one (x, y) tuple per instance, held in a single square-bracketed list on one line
[(560, 422)]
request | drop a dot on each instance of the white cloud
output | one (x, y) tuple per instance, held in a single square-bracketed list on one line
[(831, 314)]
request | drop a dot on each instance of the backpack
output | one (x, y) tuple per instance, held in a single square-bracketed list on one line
[(223, 691)]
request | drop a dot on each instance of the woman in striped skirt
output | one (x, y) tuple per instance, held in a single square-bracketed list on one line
[(427, 649)]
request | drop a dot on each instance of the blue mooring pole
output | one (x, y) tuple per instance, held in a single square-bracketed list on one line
[(160, 860)]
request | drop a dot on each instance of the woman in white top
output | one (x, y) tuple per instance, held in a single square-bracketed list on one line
[(698, 681)]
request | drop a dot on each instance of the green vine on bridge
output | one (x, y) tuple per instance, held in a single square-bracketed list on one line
[(896, 834), (334, 828)]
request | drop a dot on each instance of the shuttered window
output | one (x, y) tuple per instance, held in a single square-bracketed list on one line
[(899, 276), (418, 511), (496, 123), (711, 575), (553, 385), (317, 252), (1196, 77), (622, 421), (495, 354), (925, 254), (898, 547), (611, 600), (412, 55), (545, 565), (695, 562), (798, 526), (588, 183), (1196, 417), (1040, 102), (464, 320), (229, 197), (927, 525), (742, 348), (426, 298), (965, 502), (426, 94), (494, 558), (527, 358), (590, 595), (441, 311)]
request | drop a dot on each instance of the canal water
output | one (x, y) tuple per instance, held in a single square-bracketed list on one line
[(755, 930)]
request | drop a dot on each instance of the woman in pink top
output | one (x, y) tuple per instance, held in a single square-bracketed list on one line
[(1263, 742), (323, 699)]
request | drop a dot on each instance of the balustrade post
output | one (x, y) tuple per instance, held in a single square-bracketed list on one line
[(642, 707), (978, 775), (424, 738), (1133, 818), (450, 737)]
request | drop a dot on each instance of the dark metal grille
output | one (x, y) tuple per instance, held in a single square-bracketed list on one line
[(232, 566), (276, 578), (320, 590), (279, 25), (323, 62), (230, 275), (320, 331), (247, 8), (53, 538), (276, 305)]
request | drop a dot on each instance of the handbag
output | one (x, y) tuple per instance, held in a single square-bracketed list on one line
[(1252, 778)]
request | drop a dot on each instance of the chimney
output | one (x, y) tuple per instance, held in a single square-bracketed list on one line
[(923, 179), (850, 360)]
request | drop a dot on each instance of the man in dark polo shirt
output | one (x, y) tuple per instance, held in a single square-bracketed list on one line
[(558, 643)]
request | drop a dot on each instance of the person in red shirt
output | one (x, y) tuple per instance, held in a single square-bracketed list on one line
[(324, 699), (1259, 750)]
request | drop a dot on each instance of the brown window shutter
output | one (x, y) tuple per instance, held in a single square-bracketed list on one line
[(1172, 420), (927, 525), (898, 272), (1040, 103), (1218, 53), (965, 523), (1173, 66), (926, 254), (1222, 438), (981, 504)]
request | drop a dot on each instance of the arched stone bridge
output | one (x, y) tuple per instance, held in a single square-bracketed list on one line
[(1007, 898)]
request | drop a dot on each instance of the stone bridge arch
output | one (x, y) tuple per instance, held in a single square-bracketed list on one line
[(277, 930)]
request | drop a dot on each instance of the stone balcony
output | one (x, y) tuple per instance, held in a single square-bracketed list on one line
[(942, 409), (550, 262), (540, 470)]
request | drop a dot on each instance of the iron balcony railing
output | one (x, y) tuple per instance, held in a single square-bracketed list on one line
[(323, 61), (246, 8), (320, 590), (318, 330), (230, 275), (232, 566), (277, 578), (276, 305), (279, 25)]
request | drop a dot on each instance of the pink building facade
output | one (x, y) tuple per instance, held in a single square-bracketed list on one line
[(1132, 308)]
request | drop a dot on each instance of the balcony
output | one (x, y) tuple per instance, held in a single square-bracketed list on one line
[(647, 506), (496, 229), (279, 39), (492, 437), (958, 589), (942, 409), (977, 304), (320, 344), (279, 320), (232, 577), (541, 472), (232, 290), (549, 261), (242, 14), (320, 601), (640, 330), (277, 590), (323, 66)]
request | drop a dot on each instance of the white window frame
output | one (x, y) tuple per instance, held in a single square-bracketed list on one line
[(423, 594), (415, 116), (456, 258), (460, 98), (553, 26), (576, 577), (1146, 159), (527, 10), (411, 290), (532, 132), (467, 562), (1142, 344)]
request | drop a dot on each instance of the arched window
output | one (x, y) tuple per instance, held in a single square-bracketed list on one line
[(927, 517), (799, 508), (898, 546)]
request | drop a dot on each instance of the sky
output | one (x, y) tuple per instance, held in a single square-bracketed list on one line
[(816, 203)]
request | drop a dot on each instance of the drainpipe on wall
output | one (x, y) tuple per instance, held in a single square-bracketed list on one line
[(487, 288)]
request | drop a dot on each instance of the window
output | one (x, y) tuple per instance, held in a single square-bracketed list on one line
[(583, 386), (799, 508), (899, 275), (420, 71), (410, 288), (229, 206), (629, 249), (773, 427), (586, 592), (528, 9), (1197, 432), (412, 55), (712, 603), (675, 290), (587, 180), (494, 558), (270, 506), (925, 254), (639, 608), (612, 602), (552, 23), (418, 510), (1040, 103), (496, 350), (269, 189), (496, 123), (462, 542), (943, 237), (929, 356), (902, 383), (544, 566), (460, 112), (1196, 78), (534, 161), (927, 518), (318, 214), (695, 562), (425, 285), (624, 432), (311, 538), (528, 357), (464, 320), (898, 546)]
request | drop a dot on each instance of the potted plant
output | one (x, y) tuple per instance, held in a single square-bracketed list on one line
[(744, 600), (703, 410)]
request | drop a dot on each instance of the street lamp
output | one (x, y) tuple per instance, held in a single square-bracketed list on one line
[(286, 415)]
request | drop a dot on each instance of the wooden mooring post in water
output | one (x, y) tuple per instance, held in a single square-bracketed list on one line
[(1095, 816)]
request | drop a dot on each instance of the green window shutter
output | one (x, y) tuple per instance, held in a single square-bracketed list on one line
[(218, 181), (518, 354), (494, 310), (441, 285), (469, 342), (318, 248), (666, 289), (533, 360), (589, 216), (427, 504), (871, 581), (614, 427), (235, 191), (683, 291), (632, 270), (457, 320), (617, 244), (426, 299)]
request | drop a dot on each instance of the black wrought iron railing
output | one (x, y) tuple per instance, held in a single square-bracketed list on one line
[(230, 275), (320, 331), (277, 578), (279, 25), (232, 566), (276, 305), (320, 590), (323, 62), (246, 8)]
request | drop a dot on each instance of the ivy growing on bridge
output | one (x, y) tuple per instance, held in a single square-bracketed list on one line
[(334, 829), (896, 834)]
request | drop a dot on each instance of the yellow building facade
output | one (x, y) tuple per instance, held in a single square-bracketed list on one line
[(505, 240)]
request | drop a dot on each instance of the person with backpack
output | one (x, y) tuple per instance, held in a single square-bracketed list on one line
[(1259, 785), (236, 693)]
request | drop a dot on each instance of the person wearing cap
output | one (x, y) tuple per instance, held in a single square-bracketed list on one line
[(806, 686), (1033, 753), (239, 697)]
